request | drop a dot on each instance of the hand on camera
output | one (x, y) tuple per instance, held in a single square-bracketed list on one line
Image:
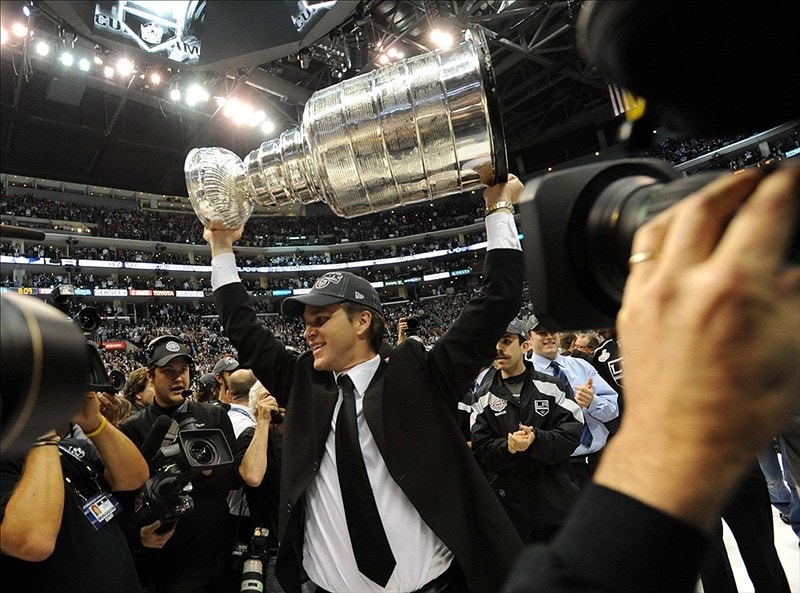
[(710, 327), (89, 416), (152, 538)]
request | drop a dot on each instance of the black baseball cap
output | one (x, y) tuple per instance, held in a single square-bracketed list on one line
[(207, 382), (332, 288), (518, 328), (227, 363), (167, 349)]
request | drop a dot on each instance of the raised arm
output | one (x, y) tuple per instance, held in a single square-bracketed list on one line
[(125, 468)]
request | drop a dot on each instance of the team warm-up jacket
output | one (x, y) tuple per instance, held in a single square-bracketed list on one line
[(536, 486), (411, 408)]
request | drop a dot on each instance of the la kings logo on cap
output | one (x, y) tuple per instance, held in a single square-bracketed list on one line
[(330, 277), (172, 346)]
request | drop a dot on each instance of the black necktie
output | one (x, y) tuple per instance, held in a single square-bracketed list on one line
[(371, 548), (558, 373)]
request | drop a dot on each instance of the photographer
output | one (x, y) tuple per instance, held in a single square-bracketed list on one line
[(58, 509), (709, 274), (192, 555)]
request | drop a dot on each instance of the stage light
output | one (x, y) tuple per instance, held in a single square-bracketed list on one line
[(175, 93), (42, 48), (124, 67), (67, 59), (196, 94), (441, 38), (19, 30), (84, 64), (267, 128), (108, 72)]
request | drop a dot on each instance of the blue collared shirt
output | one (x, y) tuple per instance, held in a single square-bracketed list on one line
[(604, 406)]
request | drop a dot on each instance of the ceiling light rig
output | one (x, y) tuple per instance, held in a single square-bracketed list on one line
[(85, 57)]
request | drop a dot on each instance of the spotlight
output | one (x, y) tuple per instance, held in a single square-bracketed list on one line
[(441, 39), (175, 93), (27, 9), (108, 72), (124, 67), (267, 128), (67, 59), (84, 64), (196, 94), (42, 48), (19, 30)]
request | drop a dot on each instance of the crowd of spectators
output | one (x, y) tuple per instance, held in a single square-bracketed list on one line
[(197, 324), (681, 150), (183, 227)]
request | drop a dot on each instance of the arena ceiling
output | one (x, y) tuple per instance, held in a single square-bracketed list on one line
[(61, 123)]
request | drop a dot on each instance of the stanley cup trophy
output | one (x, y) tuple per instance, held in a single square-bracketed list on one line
[(419, 129)]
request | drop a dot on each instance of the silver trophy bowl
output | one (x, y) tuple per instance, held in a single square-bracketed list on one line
[(419, 129)]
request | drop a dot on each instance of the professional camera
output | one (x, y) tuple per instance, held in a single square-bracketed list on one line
[(255, 556), (705, 81), (166, 496), (412, 326), (88, 320), (48, 366)]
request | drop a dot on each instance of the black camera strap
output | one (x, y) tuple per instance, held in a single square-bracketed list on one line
[(172, 433)]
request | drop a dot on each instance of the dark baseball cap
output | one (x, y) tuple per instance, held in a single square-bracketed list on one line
[(332, 288), (518, 328), (206, 382), (227, 363), (531, 324), (167, 349)]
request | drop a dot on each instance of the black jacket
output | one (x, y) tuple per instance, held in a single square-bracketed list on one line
[(536, 487), (411, 409)]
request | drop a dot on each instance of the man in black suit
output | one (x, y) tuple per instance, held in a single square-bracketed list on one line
[(440, 527)]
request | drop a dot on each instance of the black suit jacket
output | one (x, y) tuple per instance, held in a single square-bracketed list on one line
[(411, 409)]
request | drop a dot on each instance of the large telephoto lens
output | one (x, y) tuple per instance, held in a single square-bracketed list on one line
[(44, 376), (579, 225)]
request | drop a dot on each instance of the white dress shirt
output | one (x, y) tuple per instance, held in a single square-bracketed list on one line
[(327, 554)]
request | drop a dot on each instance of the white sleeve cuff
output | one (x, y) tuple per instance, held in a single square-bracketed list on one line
[(501, 231), (223, 270)]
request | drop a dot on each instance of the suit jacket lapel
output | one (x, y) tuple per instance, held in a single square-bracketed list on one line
[(373, 407)]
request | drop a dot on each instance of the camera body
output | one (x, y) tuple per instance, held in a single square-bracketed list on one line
[(412, 326), (166, 496)]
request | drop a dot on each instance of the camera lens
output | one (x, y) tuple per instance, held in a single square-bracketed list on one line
[(412, 323), (88, 319), (44, 370), (201, 451)]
